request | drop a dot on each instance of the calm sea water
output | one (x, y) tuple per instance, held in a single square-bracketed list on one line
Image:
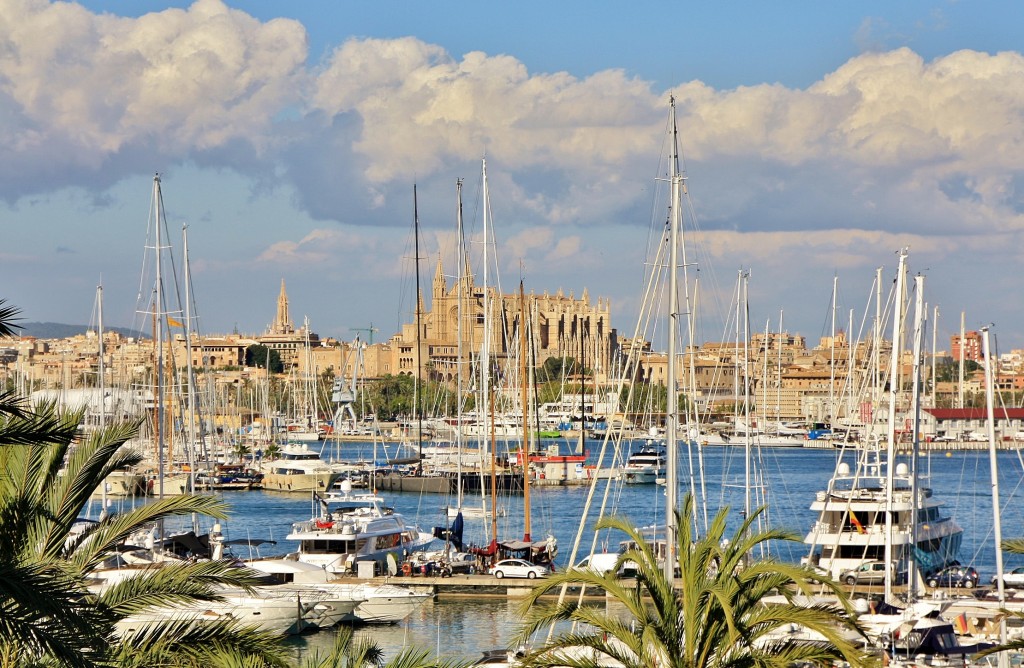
[(787, 479)]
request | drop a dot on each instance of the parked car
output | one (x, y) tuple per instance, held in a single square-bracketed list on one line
[(1018, 436), (518, 568), (870, 572), (977, 437), (946, 438), (954, 575), (1014, 578)]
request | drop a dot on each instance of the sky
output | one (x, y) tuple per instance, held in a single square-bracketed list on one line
[(819, 139)]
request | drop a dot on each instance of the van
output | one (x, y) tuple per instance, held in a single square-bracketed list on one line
[(602, 563)]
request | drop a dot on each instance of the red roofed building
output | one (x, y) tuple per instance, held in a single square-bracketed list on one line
[(959, 422)]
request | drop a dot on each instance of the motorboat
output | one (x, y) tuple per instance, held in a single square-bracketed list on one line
[(371, 603), (645, 466), (851, 527), (297, 468), (353, 528)]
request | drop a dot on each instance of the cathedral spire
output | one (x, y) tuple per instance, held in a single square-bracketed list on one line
[(282, 321), (440, 285)]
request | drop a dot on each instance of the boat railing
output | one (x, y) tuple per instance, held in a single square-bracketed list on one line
[(324, 526)]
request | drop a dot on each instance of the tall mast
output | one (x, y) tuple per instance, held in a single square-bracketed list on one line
[(919, 317), (101, 382), (192, 401), (485, 349), (158, 312), (935, 344), (832, 357), (458, 366), (524, 397), (486, 393), (672, 412), (960, 384), (419, 351), (997, 525), (894, 366)]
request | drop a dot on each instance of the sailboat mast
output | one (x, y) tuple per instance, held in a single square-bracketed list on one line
[(192, 401), (158, 313), (101, 382), (460, 261), (919, 316), (419, 350), (486, 394), (894, 367), (524, 398), (960, 380), (997, 524), (672, 408)]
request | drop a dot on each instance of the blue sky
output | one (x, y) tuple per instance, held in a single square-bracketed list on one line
[(819, 138)]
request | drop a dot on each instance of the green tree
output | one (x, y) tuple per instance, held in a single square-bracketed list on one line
[(716, 618), (256, 355), (948, 372), (391, 396), (555, 369)]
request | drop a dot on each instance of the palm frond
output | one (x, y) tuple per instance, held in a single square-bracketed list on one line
[(188, 643), (8, 316), (170, 583)]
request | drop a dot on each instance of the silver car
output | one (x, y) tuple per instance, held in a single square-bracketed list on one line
[(1014, 578)]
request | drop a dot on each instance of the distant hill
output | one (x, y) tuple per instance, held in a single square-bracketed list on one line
[(58, 330)]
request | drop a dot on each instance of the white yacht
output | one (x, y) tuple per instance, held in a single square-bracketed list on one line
[(370, 603), (354, 528), (274, 614), (646, 466), (851, 527), (298, 469)]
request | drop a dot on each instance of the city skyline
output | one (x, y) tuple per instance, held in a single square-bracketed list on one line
[(819, 140)]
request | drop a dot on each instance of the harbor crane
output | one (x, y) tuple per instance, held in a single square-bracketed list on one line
[(369, 331)]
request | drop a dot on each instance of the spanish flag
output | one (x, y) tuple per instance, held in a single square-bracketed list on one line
[(171, 322), (856, 523)]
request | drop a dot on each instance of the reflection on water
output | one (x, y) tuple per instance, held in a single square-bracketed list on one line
[(459, 628)]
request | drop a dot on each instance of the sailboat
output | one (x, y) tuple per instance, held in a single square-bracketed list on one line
[(541, 552)]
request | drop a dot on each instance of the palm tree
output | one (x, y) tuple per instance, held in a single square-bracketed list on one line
[(47, 481), (47, 614), (718, 616)]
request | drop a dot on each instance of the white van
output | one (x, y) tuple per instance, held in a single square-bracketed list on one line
[(601, 562)]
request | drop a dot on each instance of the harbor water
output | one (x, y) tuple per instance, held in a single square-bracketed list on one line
[(784, 479)]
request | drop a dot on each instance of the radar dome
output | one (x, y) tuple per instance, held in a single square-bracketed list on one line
[(902, 469), (345, 486), (844, 469)]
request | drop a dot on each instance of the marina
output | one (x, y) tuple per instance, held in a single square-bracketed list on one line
[(791, 479)]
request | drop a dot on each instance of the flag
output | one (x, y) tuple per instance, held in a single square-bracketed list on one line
[(961, 623), (173, 323), (856, 523)]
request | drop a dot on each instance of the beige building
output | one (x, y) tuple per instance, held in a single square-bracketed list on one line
[(562, 326)]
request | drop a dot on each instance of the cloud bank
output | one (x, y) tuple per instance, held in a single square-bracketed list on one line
[(885, 149)]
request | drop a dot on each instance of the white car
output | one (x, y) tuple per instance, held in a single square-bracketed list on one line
[(1014, 578), (518, 568)]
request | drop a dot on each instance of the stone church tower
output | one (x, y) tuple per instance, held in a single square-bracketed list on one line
[(282, 321), (561, 327)]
